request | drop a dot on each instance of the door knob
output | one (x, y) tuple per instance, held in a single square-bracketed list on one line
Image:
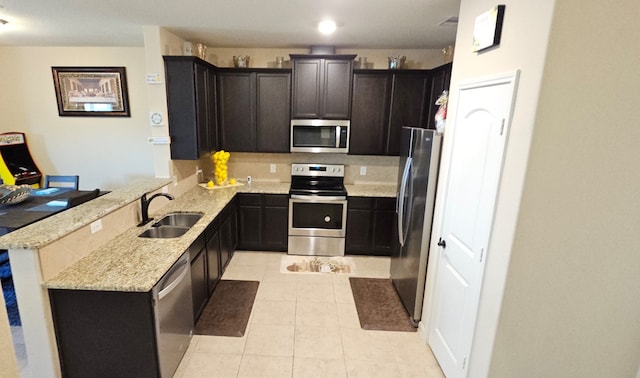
[(442, 243)]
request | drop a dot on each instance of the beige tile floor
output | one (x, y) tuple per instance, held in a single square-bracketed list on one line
[(306, 326)]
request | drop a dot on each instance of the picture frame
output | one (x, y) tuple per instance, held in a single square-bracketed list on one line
[(91, 91), (487, 29)]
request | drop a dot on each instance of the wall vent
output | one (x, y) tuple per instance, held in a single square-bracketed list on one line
[(453, 20)]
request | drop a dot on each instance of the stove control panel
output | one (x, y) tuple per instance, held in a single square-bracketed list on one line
[(326, 170)]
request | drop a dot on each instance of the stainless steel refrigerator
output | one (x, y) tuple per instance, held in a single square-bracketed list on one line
[(417, 176)]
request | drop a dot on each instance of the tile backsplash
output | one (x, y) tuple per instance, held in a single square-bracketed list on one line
[(379, 169)]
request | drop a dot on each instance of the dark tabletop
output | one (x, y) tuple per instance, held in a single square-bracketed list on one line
[(40, 204)]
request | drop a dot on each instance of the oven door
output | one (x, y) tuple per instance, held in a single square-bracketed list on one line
[(317, 216)]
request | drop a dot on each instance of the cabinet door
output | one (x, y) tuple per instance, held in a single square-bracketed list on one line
[(202, 108), (182, 108), (199, 289), (369, 115), (385, 231), (226, 250), (273, 109), (409, 95), (212, 114), (236, 107), (307, 90), (214, 270), (275, 235), (249, 221), (233, 220), (359, 239), (440, 78), (336, 97)]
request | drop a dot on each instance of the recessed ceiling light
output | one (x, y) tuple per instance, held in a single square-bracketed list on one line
[(327, 27)]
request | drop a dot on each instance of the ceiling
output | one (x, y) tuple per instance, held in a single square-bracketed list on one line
[(365, 24)]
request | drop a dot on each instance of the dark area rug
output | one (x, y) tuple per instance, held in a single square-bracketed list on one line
[(379, 306), (228, 310)]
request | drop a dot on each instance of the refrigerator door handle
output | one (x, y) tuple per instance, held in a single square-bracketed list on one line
[(403, 190)]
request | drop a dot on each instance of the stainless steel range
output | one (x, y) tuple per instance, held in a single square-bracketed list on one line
[(317, 210)]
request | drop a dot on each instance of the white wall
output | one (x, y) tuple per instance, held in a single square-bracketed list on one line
[(375, 58), (523, 47), (106, 152), (571, 306)]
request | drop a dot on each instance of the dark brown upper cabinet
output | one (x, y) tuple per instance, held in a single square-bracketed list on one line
[(191, 106), (440, 79), (370, 112), (322, 86), (254, 107), (410, 93), (386, 100)]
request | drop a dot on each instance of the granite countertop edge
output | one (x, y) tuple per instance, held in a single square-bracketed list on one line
[(48, 230)]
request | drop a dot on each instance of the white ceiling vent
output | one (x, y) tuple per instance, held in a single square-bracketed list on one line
[(453, 20)]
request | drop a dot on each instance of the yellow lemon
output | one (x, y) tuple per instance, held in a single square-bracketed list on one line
[(232, 181), (210, 184)]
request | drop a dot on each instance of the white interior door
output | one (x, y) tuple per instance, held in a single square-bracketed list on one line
[(480, 134)]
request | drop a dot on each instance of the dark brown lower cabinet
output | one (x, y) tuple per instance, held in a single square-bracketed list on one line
[(199, 286), (227, 232), (263, 222), (249, 221), (211, 254), (214, 272), (105, 333), (276, 225), (371, 226)]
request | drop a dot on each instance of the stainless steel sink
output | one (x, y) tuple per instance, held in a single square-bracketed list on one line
[(179, 219), (171, 225), (164, 232)]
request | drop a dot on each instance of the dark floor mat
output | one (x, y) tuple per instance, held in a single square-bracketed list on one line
[(228, 310), (379, 306)]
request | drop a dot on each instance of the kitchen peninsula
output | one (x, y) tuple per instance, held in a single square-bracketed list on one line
[(62, 253), (41, 250)]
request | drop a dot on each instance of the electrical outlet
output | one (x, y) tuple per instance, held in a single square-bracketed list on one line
[(363, 171), (272, 168), (96, 226)]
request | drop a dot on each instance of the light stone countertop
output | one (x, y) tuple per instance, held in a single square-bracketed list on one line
[(130, 263), (372, 190), (48, 230)]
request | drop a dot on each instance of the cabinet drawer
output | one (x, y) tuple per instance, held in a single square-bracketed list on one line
[(386, 204), (196, 247), (365, 203), (249, 200), (212, 229), (276, 200)]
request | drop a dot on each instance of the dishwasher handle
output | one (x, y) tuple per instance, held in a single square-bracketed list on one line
[(168, 283)]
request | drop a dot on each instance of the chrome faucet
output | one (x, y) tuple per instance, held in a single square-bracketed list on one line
[(144, 203)]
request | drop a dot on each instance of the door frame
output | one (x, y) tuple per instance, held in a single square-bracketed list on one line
[(434, 258)]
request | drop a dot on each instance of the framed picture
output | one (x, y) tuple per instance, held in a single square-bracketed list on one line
[(91, 91), (487, 29)]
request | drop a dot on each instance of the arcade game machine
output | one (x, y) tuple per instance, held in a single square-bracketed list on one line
[(16, 164), (16, 168)]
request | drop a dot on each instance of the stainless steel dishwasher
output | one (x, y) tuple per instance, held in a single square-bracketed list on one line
[(173, 312)]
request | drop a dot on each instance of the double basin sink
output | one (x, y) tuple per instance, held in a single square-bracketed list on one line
[(172, 225)]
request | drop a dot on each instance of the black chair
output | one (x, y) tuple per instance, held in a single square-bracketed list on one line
[(56, 181)]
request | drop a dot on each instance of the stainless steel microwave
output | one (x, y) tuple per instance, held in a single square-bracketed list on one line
[(320, 135)]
